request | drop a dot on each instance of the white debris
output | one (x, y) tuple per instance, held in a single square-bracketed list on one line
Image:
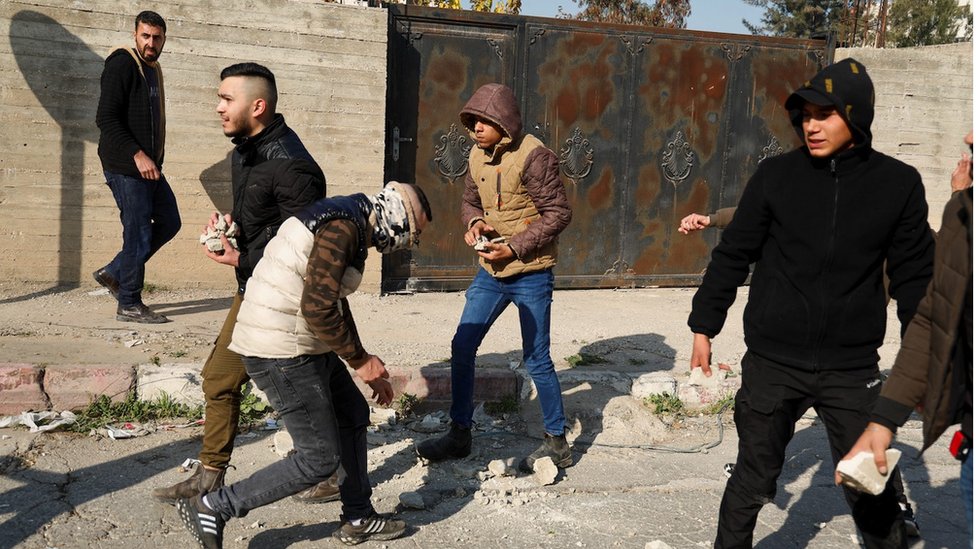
[(544, 471)]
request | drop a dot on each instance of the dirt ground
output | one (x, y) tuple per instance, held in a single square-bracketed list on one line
[(633, 481)]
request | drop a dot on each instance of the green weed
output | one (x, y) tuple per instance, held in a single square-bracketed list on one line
[(507, 405), (406, 403), (585, 359), (102, 411), (252, 407), (664, 403)]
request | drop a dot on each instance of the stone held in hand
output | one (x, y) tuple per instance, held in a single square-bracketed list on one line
[(861, 474), (211, 239)]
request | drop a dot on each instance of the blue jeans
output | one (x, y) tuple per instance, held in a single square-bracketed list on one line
[(485, 300), (326, 416), (150, 218), (966, 486)]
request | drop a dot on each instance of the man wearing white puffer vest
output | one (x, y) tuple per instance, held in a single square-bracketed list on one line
[(293, 328)]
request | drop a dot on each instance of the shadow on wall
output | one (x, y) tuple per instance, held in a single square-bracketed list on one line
[(216, 181), (62, 72)]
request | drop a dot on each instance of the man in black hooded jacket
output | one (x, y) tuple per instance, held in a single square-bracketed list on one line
[(818, 222)]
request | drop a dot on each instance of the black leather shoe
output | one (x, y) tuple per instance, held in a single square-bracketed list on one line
[(107, 281), (139, 313)]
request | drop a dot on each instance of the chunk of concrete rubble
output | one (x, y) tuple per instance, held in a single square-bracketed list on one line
[(861, 474), (412, 500), (382, 416), (714, 381), (211, 238), (544, 471), (654, 383), (466, 469), (430, 424), (657, 544), (502, 467)]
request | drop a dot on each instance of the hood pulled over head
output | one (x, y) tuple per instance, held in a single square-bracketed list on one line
[(496, 103), (846, 86)]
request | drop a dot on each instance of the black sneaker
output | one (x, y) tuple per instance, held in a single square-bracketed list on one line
[(911, 523), (455, 444), (374, 527), (727, 469), (207, 526), (139, 313), (107, 281)]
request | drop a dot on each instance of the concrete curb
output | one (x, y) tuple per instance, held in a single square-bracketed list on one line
[(32, 387)]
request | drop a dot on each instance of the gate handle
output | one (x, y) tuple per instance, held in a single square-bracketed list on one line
[(396, 142)]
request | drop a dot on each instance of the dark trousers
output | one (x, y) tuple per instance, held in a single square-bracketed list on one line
[(327, 416), (150, 218), (771, 400), (223, 374)]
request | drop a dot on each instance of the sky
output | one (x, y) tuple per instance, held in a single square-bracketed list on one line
[(706, 15)]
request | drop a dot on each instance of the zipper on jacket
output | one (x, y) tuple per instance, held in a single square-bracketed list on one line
[(828, 259), (498, 186)]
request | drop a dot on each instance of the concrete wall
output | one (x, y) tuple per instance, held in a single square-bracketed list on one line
[(923, 108), (58, 220)]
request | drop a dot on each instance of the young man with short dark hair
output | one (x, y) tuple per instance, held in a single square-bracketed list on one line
[(818, 223)]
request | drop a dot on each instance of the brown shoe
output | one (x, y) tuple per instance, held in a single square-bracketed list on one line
[(202, 481), (107, 281), (323, 492), (139, 313)]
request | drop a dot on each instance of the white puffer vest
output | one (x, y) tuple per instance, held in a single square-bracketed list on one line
[(270, 323)]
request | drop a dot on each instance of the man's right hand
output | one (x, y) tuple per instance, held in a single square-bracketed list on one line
[(479, 228), (693, 222), (373, 373), (701, 354), (146, 166)]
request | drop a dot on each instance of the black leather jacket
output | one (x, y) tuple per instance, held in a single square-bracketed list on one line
[(274, 177)]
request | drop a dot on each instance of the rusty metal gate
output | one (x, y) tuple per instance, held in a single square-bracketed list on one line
[(649, 124)]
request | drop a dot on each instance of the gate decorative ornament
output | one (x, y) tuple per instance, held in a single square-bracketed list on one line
[(677, 160), (576, 158), (494, 45), (773, 148), (451, 155), (735, 52), (640, 47)]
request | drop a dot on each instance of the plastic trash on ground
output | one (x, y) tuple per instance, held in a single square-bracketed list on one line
[(40, 421)]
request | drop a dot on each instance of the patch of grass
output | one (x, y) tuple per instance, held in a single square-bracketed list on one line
[(719, 406), (585, 359), (103, 411), (664, 403), (406, 403), (252, 407), (507, 405), (149, 288), (154, 360), (178, 354)]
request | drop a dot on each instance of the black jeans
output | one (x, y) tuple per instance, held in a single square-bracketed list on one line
[(327, 416), (772, 398)]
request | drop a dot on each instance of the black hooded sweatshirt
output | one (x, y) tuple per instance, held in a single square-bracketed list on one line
[(819, 231)]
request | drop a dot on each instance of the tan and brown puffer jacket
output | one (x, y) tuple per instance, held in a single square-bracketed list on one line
[(514, 187)]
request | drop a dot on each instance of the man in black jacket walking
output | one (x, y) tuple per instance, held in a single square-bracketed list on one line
[(274, 177), (818, 222), (132, 120)]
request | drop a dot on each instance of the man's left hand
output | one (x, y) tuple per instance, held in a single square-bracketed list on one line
[(382, 391), (497, 252), (229, 256)]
